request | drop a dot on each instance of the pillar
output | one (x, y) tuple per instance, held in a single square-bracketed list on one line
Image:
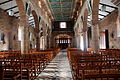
[(95, 37), (85, 34), (95, 27), (85, 28), (23, 26), (24, 38), (8, 39), (85, 40), (74, 43)]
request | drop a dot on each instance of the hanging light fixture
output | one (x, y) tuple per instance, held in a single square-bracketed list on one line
[(11, 12), (103, 8)]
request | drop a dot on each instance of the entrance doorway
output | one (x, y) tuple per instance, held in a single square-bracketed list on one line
[(104, 40), (63, 41)]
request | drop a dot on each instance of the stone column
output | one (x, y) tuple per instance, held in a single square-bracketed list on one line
[(85, 34), (24, 27), (95, 27), (85, 40), (95, 37), (74, 42), (37, 42), (46, 42), (49, 41), (8, 39), (24, 38), (40, 35), (79, 41)]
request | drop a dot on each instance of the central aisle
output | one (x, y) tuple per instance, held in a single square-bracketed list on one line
[(58, 69)]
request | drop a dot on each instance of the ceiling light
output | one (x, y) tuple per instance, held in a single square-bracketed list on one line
[(11, 13)]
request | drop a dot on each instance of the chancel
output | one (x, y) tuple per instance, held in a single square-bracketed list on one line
[(59, 39)]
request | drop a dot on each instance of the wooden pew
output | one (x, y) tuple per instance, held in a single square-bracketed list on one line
[(24, 66), (31, 65), (88, 66), (11, 68)]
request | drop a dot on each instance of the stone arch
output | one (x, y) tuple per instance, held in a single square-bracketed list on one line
[(63, 35), (35, 20), (36, 30), (62, 41), (70, 34)]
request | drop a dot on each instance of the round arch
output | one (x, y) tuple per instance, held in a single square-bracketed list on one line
[(36, 29), (63, 41), (63, 36), (35, 20)]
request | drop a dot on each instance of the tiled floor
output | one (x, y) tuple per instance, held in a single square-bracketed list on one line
[(58, 69)]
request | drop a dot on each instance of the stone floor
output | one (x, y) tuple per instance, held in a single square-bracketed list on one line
[(58, 69)]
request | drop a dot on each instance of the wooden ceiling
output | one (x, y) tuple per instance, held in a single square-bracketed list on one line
[(62, 10)]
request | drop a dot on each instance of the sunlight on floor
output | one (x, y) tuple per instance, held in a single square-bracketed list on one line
[(58, 69)]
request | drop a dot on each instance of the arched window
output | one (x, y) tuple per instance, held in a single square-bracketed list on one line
[(62, 24)]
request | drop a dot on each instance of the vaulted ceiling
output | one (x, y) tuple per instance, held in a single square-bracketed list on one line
[(61, 9)]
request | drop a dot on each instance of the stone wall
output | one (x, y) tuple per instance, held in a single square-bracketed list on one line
[(9, 26), (109, 23)]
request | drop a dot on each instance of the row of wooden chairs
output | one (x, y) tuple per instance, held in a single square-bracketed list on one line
[(8, 53), (97, 66), (24, 66)]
